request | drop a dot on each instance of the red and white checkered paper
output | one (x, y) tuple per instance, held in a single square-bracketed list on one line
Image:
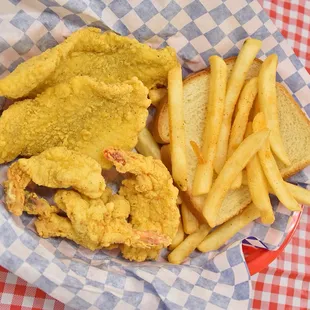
[(285, 284)]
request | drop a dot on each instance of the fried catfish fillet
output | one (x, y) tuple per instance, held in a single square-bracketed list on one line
[(82, 114), (105, 56), (56, 167), (152, 198), (95, 223)]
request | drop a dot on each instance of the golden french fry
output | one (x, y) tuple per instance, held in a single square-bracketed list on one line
[(255, 109), (156, 95), (235, 83), (244, 106), (258, 186), (271, 169), (233, 166), (176, 127), (146, 145), (301, 194), (217, 90), (267, 97), (226, 231), (178, 238), (190, 223), (184, 249)]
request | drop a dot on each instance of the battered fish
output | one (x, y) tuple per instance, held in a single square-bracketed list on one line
[(152, 198), (107, 57), (82, 114), (56, 167)]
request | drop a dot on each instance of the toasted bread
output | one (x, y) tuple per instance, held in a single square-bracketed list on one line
[(294, 126)]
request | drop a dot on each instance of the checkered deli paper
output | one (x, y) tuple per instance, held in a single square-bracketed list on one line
[(103, 280)]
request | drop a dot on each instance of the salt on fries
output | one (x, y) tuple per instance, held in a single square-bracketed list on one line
[(223, 233), (271, 169), (190, 223), (176, 127), (217, 90), (244, 106), (235, 83), (146, 145), (184, 249), (178, 238), (233, 166), (267, 97), (258, 186)]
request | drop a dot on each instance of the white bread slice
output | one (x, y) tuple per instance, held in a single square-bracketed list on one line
[(294, 126)]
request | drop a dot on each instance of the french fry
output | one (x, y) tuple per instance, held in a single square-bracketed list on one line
[(146, 145), (223, 233), (301, 194), (233, 166), (271, 169), (235, 83), (217, 90), (244, 106), (184, 249), (190, 223), (258, 186), (267, 97), (178, 238), (176, 127), (156, 95), (255, 109)]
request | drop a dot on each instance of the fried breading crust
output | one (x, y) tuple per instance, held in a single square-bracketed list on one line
[(152, 198), (83, 115), (107, 57), (56, 167), (95, 223)]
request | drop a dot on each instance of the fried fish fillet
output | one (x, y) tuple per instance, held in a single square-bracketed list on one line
[(152, 198), (82, 114), (56, 167), (106, 56)]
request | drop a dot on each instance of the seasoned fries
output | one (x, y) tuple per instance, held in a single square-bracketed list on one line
[(156, 95), (271, 169), (235, 83), (176, 127), (184, 249), (223, 233), (267, 97), (258, 186), (146, 145), (244, 106), (190, 223), (217, 90), (233, 166), (179, 237)]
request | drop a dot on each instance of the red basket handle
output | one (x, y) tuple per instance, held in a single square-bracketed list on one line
[(259, 259)]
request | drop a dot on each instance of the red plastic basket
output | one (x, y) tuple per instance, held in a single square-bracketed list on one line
[(259, 259)]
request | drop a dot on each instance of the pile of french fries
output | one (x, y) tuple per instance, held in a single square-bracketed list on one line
[(240, 139)]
